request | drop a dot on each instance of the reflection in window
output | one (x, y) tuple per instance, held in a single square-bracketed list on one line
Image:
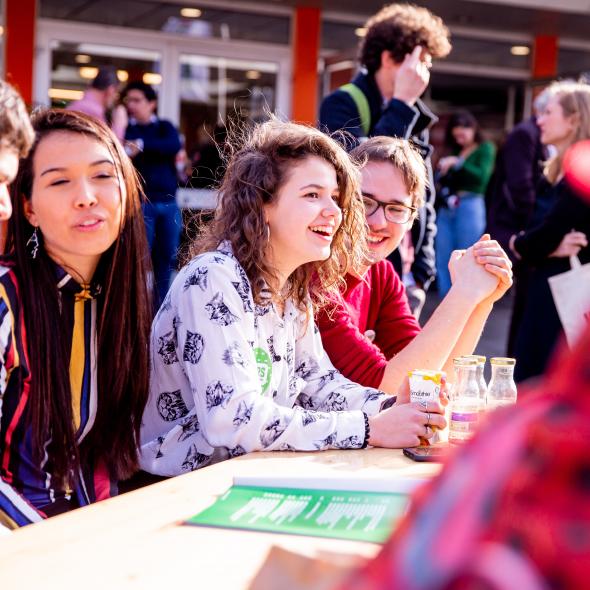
[(74, 66), (214, 90)]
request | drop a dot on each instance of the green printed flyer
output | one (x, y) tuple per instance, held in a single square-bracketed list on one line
[(354, 516)]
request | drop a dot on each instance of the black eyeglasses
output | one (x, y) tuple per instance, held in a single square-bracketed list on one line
[(394, 212)]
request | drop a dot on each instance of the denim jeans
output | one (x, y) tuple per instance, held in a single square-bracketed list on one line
[(162, 225), (457, 229)]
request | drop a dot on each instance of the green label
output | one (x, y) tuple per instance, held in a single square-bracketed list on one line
[(264, 365), (356, 516)]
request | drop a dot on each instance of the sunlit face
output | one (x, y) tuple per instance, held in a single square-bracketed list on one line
[(76, 200), (383, 182), (305, 215), (8, 170), (464, 136), (556, 128)]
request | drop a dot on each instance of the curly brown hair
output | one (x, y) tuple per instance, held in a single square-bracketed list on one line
[(399, 28), (257, 168)]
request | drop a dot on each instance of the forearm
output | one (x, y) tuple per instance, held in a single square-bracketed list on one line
[(470, 335), (434, 345)]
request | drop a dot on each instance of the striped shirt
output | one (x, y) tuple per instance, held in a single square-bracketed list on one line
[(28, 492)]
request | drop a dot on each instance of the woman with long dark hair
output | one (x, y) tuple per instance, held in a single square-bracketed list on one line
[(464, 176), (74, 322), (237, 362)]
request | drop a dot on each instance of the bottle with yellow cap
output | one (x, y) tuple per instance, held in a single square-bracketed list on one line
[(465, 401), (502, 388), (483, 388)]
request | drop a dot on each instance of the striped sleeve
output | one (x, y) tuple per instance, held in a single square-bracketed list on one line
[(15, 510)]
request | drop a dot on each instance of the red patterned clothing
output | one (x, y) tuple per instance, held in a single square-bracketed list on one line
[(512, 509), (376, 303)]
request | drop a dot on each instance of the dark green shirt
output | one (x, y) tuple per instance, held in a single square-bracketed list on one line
[(476, 171)]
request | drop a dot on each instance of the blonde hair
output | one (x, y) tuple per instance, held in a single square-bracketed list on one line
[(574, 99)]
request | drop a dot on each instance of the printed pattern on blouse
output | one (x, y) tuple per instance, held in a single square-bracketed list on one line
[(230, 377), (25, 486)]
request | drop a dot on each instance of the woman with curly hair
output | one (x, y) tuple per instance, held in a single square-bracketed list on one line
[(73, 338), (237, 362)]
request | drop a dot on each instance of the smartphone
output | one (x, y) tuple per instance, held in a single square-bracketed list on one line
[(431, 454)]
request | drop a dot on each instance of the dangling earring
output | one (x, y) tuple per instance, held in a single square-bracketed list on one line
[(267, 227), (33, 244)]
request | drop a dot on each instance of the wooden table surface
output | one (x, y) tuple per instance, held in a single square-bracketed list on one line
[(135, 540)]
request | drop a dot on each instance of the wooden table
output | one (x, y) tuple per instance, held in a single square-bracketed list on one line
[(135, 541)]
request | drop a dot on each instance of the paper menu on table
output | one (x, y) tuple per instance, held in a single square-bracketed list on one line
[(340, 514)]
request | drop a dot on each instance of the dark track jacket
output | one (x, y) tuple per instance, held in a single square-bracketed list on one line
[(394, 118)]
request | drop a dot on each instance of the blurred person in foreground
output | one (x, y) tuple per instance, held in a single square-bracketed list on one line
[(384, 99), (511, 197), (100, 98), (371, 336), (153, 143), (464, 175), (555, 234), (16, 138), (512, 510)]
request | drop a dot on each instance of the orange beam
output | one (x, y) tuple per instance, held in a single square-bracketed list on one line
[(306, 48), (545, 52), (19, 45)]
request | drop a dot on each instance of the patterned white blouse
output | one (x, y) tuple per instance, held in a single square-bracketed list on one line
[(230, 377)]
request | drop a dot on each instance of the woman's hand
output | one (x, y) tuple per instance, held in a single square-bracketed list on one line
[(445, 164), (404, 425), (570, 245)]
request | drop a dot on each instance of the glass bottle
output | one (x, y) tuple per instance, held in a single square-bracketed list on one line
[(483, 388), (465, 401), (502, 388)]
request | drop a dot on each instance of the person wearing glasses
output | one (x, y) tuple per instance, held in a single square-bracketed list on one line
[(370, 334)]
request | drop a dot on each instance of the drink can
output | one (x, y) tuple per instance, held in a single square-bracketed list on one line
[(425, 385)]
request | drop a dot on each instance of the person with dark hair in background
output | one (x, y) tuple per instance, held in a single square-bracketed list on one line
[(100, 97), (384, 99), (511, 196), (153, 143), (464, 176), (75, 315)]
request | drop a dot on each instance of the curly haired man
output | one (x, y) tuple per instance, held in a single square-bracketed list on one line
[(384, 99)]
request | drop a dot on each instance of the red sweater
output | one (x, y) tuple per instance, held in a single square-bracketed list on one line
[(377, 302)]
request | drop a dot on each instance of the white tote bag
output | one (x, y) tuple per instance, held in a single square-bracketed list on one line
[(571, 293)]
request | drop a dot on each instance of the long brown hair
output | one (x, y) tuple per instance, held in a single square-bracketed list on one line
[(123, 321), (255, 172), (574, 99)]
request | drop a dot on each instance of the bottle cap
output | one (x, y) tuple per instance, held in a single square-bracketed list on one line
[(462, 361), (503, 361), (480, 358)]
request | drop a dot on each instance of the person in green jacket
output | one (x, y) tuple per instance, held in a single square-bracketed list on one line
[(464, 177)]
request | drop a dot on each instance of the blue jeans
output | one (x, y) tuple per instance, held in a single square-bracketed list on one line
[(162, 225), (457, 229)]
